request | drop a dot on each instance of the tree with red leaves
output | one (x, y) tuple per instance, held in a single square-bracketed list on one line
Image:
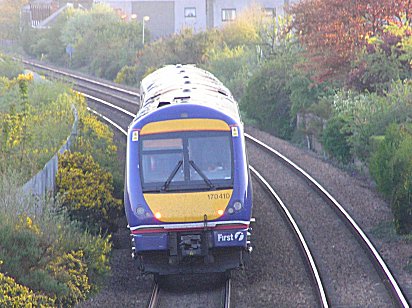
[(334, 31)]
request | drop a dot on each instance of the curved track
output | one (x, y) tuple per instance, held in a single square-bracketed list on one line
[(378, 284), (370, 252), (214, 292)]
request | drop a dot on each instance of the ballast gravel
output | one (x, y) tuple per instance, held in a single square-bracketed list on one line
[(360, 199), (271, 279)]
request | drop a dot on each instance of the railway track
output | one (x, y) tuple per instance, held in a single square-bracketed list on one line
[(371, 277), (183, 295)]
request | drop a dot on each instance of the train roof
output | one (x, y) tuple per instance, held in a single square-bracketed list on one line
[(178, 84)]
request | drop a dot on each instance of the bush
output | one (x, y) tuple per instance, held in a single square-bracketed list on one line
[(391, 167), (35, 120), (385, 59), (9, 68), (127, 75), (233, 67), (267, 97), (368, 114), (335, 140), (52, 256), (13, 294), (87, 191), (96, 139), (46, 252), (71, 269)]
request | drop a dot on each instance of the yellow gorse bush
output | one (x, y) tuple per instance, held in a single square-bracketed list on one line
[(25, 222), (72, 269), (25, 77), (87, 190), (13, 294)]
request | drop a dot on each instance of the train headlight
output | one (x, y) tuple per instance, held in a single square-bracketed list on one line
[(220, 212), (158, 215), (230, 210), (237, 205), (140, 211)]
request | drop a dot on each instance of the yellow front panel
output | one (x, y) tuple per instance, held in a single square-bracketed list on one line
[(184, 125), (188, 207)]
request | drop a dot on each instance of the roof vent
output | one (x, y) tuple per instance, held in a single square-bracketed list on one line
[(186, 90), (222, 92), (185, 77), (161, 104), (187, 82), (178, 65)]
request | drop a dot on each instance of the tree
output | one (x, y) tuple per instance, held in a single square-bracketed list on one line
[(10, 18), (334, 31), (385, 59), (267, 95)]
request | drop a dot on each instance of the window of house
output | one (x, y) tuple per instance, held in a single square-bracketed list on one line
[(269, 12), (228, 14), (190, 12)]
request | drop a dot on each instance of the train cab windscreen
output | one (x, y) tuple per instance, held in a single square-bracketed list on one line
[(186, 161)]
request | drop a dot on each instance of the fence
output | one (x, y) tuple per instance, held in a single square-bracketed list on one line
[(44, 182)]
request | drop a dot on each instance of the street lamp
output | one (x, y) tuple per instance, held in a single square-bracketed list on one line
[(145, 19)]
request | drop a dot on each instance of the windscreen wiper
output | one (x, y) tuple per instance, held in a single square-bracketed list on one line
[(172, 175), (204, 177)]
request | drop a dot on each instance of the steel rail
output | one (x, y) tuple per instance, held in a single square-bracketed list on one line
[(228, 289), (380, 265), (107, 120), (80, 78), (108, 104), (154, 297), (322, 297)]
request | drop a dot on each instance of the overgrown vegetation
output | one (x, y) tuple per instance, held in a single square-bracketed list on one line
[(36, 117), (391, 166), (341, 66), (100, 41), (88, 192), (52, 251), (43, 250)]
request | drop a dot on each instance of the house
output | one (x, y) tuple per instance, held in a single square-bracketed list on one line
[(171, 16), (41, 13)]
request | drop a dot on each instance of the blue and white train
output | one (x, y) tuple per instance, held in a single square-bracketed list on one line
[(188, 190)]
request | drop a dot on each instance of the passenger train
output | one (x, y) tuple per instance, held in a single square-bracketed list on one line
[(188, 190)]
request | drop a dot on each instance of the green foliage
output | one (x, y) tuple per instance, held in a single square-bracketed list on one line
[(267, 97), (127, 75), (36, 118), (233, 67), (96, 139), (71, 269), (9, 68), (184, 48), (102, 43), (360, 113), (385, 59), (335, 139), (13, 294), (87, 191), (10, 18), (45, 251), (46, 44), (369, 114), (244, 30), (391, 167)]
